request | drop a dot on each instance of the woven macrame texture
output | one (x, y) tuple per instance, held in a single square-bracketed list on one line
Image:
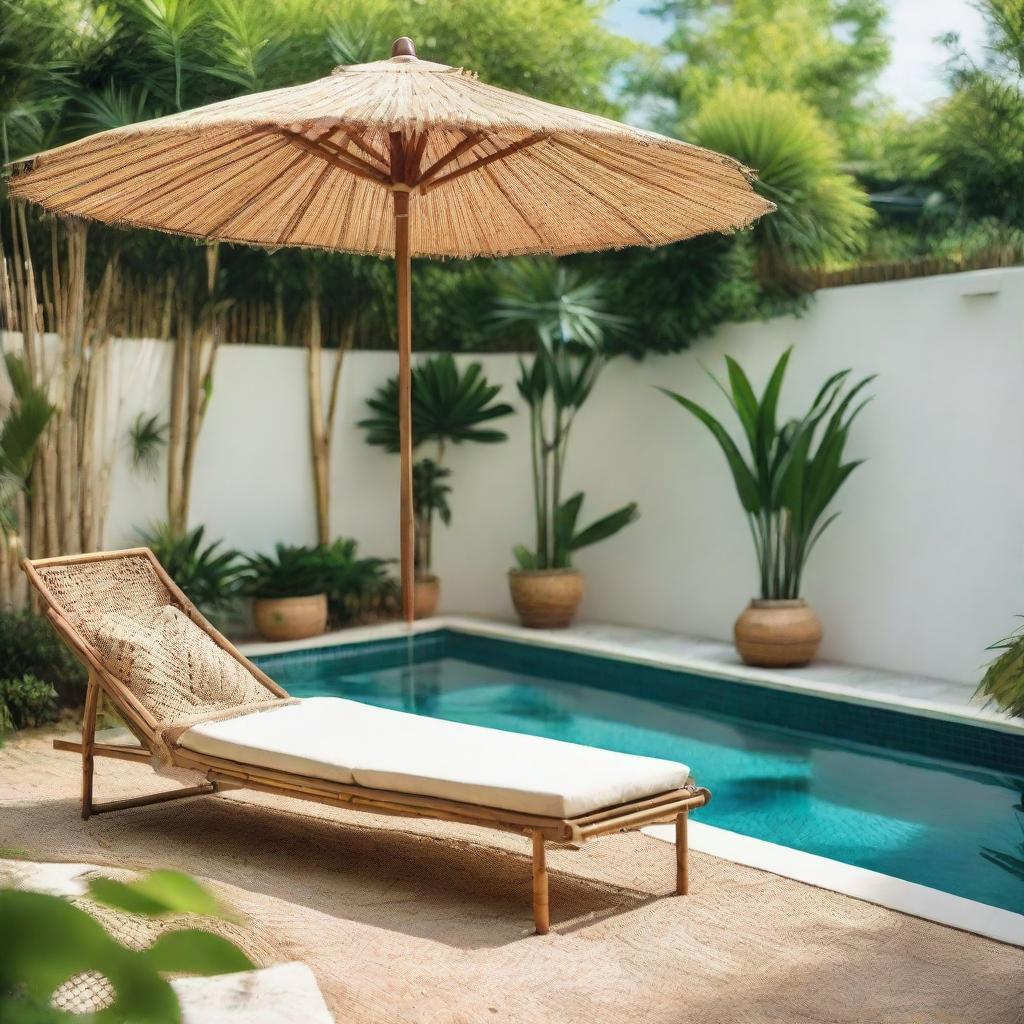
[(175, 670), (122, 609), (494, 173)]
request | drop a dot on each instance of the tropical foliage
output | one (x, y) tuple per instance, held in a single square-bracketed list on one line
[(566, 313), (430, 491), (1003, 682), (208, 574), (449, 406), (359, 587), (45, 940), (26, 701), (289, 572), (147, 437), (793, 470), (31, 648), (822, 215), (25, 420)]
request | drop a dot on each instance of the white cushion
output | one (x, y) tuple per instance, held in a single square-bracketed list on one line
[(347, 741), (316, 737)]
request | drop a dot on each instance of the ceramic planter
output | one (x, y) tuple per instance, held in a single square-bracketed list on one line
[(778, 634), (426, 595), (546, 598), (290, 618)]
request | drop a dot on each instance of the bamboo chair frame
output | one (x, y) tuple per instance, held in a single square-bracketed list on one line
[(671, 806)]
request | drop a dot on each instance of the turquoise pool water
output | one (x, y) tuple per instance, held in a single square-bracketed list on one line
[(926, 819)]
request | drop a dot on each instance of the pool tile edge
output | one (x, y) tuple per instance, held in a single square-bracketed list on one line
[(583, 641)]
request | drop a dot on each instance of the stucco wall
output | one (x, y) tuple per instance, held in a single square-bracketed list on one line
[(923, 568)]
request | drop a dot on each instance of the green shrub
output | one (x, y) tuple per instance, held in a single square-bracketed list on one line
[(28, 701), (357, 588), (208, 576), (30, 647), (289, 572)]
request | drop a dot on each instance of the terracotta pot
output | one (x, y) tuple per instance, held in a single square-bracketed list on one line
[(427, 593), (546, 598), (290, 618), (778, 634)]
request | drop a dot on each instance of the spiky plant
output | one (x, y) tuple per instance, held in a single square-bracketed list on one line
[(449, 406), (566, 315), (1002, 685), (794, 470), (208, 574), (147, 437), (822, 213)]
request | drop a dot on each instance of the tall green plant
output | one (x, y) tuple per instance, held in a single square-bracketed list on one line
[(449, 406), (794, 470), (566, 314), (24, 422)]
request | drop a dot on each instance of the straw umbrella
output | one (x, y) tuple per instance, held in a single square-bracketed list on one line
[(400, 157)]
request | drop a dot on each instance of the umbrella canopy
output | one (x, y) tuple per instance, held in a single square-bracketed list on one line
[(399, 157)]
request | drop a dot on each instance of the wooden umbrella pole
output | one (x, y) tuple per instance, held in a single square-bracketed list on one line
[(404, 298)]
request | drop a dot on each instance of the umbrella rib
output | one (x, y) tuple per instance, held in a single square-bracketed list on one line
[(133, 172), (346, 161), (371, 151), (293, 220), (483, 161), (234, 157), (247, 198), (510, 199), (456, 151)]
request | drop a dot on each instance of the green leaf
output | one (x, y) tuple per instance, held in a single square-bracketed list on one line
[(158, 893), (744, 401), (191, 951), (606, 527), (525, 558), (746, 484)]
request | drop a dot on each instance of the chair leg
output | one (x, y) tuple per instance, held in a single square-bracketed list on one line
[(92, 694), (682, 854), (540, 885)]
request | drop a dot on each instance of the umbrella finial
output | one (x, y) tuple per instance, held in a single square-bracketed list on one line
[(403, 47)]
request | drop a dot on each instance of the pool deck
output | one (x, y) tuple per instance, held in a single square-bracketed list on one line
[(936, 698)]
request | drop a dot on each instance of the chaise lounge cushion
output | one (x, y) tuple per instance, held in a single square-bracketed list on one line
[(350, 742)]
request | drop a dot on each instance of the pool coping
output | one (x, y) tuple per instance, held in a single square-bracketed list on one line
[(627, 644), (873, 688)]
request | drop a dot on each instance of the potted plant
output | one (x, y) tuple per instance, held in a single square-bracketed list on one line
[(566, 315), (449, 406), (289, 592), (359, 587), (785, 488), (208, 574)]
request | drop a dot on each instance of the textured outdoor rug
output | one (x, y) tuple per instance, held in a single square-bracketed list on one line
[(416, 922)]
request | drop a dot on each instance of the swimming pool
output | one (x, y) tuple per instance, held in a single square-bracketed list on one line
[(923, 799)]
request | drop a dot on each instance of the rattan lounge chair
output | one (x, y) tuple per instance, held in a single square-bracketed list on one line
[(194, 702)]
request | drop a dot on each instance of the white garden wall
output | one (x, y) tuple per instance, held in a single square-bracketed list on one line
[(924, 567)]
